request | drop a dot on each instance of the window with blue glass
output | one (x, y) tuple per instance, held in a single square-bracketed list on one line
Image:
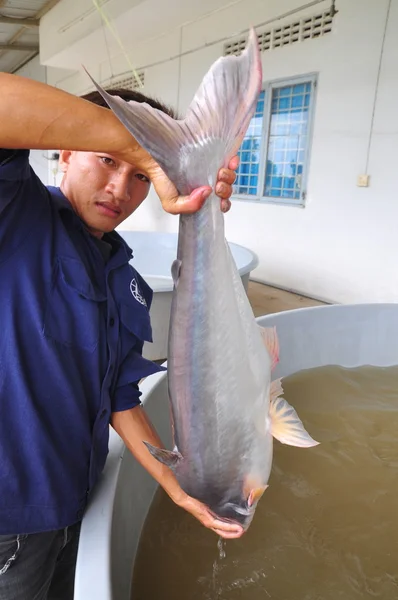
[(249, 153), (274, 154)]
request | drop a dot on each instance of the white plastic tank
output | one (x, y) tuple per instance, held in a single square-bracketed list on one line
[(349, 336), (154, 253)]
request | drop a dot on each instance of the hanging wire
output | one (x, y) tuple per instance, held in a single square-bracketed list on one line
[(232, 35), (206, 45), (107, 48), (115, 34), (377, 86)]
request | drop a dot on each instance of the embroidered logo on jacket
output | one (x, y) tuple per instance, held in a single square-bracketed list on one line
[(135, 290)]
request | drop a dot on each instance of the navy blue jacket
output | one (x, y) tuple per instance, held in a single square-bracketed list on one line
[(72, 327)]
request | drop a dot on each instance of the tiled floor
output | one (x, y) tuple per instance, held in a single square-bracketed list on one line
[(266, 299)]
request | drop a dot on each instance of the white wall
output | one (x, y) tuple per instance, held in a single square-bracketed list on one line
[(343, 245)]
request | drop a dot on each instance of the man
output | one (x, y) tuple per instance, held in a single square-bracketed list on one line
[(72, 330)]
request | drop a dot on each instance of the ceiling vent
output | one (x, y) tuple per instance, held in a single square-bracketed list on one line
[(297, 31), (128, 82)]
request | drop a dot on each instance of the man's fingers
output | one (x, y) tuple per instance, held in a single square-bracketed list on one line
[(226, 176), (228, 531), (223, 190), (170, 199), (226, 527), (234, 163), (227, 535), (192, 203), (225, 205), (177, 205)]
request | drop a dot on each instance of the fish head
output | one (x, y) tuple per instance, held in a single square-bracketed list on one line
[(237, 503), (235, 512), (241, 509)]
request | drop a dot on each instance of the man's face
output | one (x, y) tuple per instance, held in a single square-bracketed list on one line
[(102, 189)]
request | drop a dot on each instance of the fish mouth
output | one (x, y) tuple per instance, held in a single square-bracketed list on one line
[(234, 514)]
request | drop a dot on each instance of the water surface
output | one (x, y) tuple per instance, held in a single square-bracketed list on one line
[(327, 527)]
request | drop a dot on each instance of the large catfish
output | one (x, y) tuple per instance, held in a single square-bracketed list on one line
[(225, 410)]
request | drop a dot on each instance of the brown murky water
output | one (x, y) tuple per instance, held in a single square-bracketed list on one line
[(327, 527)]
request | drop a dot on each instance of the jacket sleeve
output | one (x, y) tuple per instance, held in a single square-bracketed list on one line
[(134, 368)]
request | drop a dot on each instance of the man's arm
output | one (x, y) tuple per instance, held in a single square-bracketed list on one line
[(134, 427), (34, 115)]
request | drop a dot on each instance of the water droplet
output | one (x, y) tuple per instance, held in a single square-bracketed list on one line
[(221, 548)]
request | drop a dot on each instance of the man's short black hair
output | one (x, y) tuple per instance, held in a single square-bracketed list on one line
[(127, 95)]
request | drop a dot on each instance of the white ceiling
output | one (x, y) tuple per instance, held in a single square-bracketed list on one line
[(19, 31)]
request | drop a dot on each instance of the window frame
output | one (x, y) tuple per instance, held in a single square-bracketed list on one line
[(268, 88)]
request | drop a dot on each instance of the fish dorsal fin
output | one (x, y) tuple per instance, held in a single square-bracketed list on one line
[(175, 271), (271, 342), (192, 149), (286, 425), (166, 457)]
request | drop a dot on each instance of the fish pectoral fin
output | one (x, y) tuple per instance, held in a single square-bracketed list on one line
[(276, 389), (175, 271), (286, 425), (255, 495), (271, 342), (168, 458), (253, 488)]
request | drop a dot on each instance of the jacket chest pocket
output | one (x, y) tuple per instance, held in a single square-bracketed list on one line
[(134, 300), (75, 309)]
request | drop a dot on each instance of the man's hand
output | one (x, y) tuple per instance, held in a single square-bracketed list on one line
[(200, 511), (175, 204)]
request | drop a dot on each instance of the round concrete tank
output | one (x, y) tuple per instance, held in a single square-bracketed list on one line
[(350, 336), (154, 253)]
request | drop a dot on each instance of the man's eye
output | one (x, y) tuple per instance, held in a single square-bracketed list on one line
[(142, 177), (107, 161)]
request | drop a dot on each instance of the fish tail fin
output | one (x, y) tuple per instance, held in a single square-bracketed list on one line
[(215, 124), (286, 425), (271, 342)]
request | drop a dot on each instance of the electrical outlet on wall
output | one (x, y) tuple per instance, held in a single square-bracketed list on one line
[(363, 181)]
